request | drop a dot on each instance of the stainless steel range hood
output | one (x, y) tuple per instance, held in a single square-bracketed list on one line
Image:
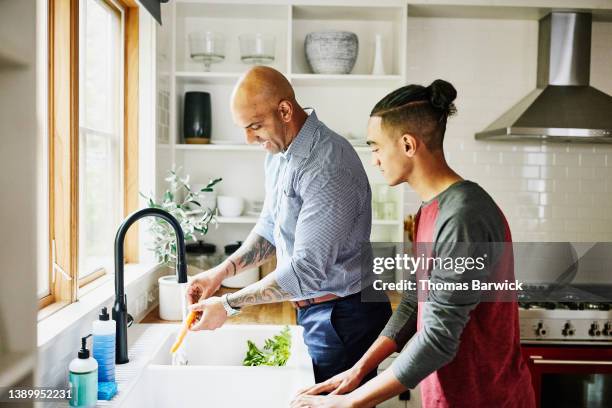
[(563, 107)]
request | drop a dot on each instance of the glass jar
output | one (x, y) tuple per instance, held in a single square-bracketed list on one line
[(202, 255)]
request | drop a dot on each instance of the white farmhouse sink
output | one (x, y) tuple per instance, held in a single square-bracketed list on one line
[(215, 376)]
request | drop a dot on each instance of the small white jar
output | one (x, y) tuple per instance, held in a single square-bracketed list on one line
[(171, 298)]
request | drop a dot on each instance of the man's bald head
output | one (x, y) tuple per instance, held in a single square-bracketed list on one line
[(262, 85), (263, 104)]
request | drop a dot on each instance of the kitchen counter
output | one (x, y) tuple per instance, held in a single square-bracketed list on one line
[(272, 313)]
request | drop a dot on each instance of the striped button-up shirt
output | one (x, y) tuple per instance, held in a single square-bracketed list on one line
[(317, 213)]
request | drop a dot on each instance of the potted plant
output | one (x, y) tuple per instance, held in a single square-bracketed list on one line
[(181, 201)]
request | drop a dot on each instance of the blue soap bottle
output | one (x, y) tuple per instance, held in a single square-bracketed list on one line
[(104, 346), (83, 378)]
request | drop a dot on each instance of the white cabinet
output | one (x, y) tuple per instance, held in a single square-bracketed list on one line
[(342, 102)]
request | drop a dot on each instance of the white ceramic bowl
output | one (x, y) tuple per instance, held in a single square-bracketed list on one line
[(243, 279), (230, 206)]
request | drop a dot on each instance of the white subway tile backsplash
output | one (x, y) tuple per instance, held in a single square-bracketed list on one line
[(548, 191), (563, 212), (566, 159), (566, 186), (592, 186), (526, 171), (582, 173), (540, 186), (554, 172), (487, 157), (593, 159), (574, 225)]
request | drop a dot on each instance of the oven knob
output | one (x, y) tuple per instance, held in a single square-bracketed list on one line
[(540, 330), (607, 331), (594, 331), (568, 330)]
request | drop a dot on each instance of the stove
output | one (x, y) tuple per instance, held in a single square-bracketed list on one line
[(565, 315)]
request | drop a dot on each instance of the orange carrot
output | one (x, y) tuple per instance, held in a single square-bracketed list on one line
[(190, 318)]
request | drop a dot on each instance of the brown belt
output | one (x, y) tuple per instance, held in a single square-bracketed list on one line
[(299, 304)]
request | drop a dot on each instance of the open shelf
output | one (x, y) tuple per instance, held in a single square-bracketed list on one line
[(221, 147), (365, 21), (201, 77), (237, 147), (350, 79), (252, 220), (243, 219), (230, 20)]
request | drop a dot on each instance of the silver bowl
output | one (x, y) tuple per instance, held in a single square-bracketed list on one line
[(331, 52)]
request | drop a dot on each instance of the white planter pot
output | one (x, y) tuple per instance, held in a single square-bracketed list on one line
[(208, 200)]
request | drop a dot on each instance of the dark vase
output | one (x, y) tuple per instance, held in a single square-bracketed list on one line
[(197, 120)]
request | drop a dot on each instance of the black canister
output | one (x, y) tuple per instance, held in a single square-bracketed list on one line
[(197, 119)]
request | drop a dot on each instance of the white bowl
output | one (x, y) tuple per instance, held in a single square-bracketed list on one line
[(230, 206), (243, 279)]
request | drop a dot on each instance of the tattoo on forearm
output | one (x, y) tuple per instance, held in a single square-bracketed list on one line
[(257, 250), (234, 265), (269, 292)]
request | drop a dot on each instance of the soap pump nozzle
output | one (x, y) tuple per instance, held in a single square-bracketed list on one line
[(84, 352)]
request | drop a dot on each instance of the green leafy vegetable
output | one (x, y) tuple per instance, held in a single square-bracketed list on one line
[(276, 351)]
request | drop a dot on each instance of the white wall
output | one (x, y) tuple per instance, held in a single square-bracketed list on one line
[(549, 192), (18, 179)]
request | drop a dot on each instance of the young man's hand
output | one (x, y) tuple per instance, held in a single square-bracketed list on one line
[(341, 383), (323, 401)]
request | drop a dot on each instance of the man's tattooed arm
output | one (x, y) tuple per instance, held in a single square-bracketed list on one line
[(255, 251), (266, 290)]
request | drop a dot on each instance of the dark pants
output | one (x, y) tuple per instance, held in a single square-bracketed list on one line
[(339, 332)]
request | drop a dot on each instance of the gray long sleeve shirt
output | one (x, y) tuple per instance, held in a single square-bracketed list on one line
[(459, 222)]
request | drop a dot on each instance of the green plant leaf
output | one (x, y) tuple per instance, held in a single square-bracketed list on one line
[(211, 184)]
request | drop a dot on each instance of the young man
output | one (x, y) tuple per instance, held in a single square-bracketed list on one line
[(463, 351), (317, 215)]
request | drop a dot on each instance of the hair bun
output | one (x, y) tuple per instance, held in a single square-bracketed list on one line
[(441, 95)]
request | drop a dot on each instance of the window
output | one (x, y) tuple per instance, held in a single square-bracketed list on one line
[(92, 149), (100, 134)]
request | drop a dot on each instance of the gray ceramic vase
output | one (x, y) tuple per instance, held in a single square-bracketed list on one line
[(331, 52)]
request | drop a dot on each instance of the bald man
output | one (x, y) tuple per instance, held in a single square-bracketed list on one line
[(316, 217)]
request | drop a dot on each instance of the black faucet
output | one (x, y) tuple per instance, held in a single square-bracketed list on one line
[(120, 314)]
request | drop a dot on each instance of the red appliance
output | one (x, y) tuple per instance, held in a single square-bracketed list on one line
[(570, 376)]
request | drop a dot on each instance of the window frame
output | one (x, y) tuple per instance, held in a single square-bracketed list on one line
[(63, 145)]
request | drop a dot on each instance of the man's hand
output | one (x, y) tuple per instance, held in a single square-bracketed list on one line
[(204, 285), (320, 401), (341, 383), (211, 314)]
